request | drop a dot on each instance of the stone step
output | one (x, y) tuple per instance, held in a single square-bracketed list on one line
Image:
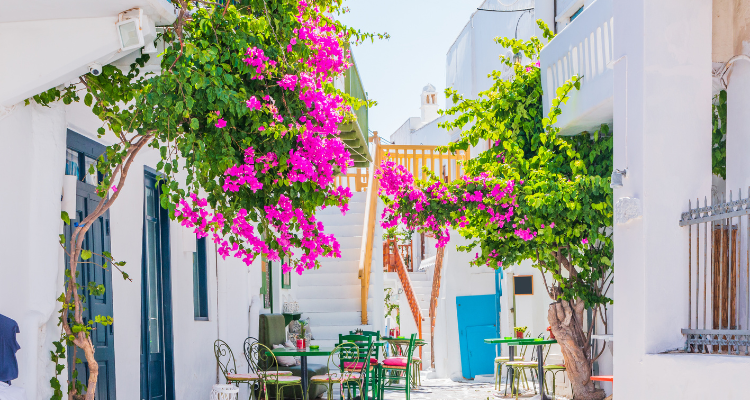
[(344, 230), (329, 292), (326, 305), (334, 266), (332, 332), (334, 319), (327, 278), (348, 242), (419, 276), (351, 218)]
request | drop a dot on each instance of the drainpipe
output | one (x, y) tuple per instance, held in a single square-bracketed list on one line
[(255, 306)]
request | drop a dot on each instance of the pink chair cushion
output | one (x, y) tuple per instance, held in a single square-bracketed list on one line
[(359, 365), (354, 365), (395, 361)]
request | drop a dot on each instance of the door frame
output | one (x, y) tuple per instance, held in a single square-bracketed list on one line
[(151, 175), (88, 147)]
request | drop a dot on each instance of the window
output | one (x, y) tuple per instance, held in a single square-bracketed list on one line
[(73, 162), (576, 14), (200, 284), (286, 280), (266, 288)]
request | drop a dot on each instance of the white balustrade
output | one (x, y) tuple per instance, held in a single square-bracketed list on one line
[(584, 48)]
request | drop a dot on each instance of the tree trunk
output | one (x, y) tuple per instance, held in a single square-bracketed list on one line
[(566, 321)]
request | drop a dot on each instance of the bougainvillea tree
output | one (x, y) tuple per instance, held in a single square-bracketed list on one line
[(245, 117), (533, 195)]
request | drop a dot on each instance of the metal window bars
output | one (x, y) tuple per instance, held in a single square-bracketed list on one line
[(718, 271)]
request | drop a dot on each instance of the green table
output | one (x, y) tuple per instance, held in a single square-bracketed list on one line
[(399, 342), (303, 354), (512, 342)]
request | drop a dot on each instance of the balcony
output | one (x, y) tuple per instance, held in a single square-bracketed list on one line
[(356, 133), (584, 48)]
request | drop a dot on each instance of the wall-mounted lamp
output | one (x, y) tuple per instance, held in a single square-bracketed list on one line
[(617, 176), (136, 31)]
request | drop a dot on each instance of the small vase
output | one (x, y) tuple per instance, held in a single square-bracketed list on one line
[(551, 335), (519, 335)]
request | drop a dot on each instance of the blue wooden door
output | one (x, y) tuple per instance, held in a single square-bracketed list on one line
[(476, 322), (157, 370), (82, 152)]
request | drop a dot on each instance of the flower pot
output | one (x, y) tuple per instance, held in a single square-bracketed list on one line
[(551, 335), (519, 335), (301, 343)]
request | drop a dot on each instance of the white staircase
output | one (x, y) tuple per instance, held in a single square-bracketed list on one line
[(421, 282), (331, 296)]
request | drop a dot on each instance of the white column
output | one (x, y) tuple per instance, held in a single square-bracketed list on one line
[(662, 128)]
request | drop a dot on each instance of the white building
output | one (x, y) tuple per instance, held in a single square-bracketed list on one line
[(197, 297), (469, 62), (647, 70)]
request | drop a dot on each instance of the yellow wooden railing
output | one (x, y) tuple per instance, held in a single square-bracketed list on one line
[(415, 159)]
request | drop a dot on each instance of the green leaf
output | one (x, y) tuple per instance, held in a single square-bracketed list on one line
[(85, 254), (64, 216), (194, 123)]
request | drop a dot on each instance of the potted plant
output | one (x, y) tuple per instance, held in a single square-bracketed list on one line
[(302, 338), (551, 334), (520, 331)]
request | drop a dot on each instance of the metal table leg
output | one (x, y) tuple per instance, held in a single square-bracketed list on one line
[(303, 365), (509, 375), (540, 372)]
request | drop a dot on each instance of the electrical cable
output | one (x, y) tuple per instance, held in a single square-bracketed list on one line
[(505, 11)]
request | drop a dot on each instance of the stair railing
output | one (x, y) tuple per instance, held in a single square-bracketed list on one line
[(403, 276), (415, 158), (433, 300)]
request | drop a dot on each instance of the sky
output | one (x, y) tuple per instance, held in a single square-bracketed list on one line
[(395, 70)]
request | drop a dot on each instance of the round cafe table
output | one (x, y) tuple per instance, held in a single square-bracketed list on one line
[(539, 343)]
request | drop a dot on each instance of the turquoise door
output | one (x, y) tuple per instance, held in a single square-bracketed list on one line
[(476, 321), (157, 368)]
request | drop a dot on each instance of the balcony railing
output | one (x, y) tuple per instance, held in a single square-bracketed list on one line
[(584, 48), (718, 270), (413, 157), (390, 248)]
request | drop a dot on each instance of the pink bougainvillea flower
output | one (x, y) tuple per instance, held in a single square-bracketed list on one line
[(253, 103), (221, 123), (585, 241), (114, 188)]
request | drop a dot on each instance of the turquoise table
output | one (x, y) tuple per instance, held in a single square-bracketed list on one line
[(512, 342), (303, 354)]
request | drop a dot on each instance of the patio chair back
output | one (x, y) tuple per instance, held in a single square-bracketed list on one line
[(262, 361), (225, 358), (250, 355), (366, 347)]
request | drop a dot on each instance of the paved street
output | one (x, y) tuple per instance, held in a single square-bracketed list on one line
[(446, 389)]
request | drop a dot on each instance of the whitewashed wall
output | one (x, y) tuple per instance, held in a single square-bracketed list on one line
[(33, 154)]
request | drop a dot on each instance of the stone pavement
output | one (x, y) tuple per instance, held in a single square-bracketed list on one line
[(446, 389)]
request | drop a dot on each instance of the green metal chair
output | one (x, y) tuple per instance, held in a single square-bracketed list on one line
[(264, 362), (499, 361), (554, 369), (340, 370), (521, 367), (228, 367), (393, 369), (521, 357), (368, 360)]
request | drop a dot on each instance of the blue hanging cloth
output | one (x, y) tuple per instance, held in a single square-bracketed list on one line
[(8, 348)]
